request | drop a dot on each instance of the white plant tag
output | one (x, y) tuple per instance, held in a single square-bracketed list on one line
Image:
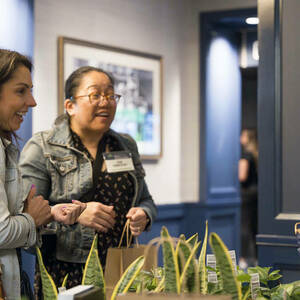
[(211, 262), (254, 285), (212, 277), (233, 258)]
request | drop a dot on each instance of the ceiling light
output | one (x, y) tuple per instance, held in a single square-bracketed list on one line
[(252, 21)]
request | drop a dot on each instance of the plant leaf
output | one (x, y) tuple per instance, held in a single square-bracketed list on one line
[(190, 273), (201, 264), (244, 277), (48, 285), (128, 277), (64, 284), (246, 295), (193, 240), (224, 263), (93, 272), (172, 277), (161, 285)]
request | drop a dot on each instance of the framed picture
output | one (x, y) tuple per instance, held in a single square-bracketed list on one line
[(138, 78)]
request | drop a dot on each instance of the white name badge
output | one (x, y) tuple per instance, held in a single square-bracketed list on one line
[(118, 161)]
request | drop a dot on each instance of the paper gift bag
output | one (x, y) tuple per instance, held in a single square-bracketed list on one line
[(118, 259)]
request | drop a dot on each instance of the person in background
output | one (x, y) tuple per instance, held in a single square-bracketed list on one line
[(82, 158), (248, 182), (19, 219)]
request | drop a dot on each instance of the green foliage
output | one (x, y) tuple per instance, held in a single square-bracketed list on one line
[(182, 272), (93, 273), (264, 274), (64, 284), (147, 281), (225, 266), (265, 277), (201, 264), (172, 279), (128, 277), (193, 240), (189, 275), (48, 285)]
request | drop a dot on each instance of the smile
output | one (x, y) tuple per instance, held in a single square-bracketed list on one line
[(21, 114), (102, 114)]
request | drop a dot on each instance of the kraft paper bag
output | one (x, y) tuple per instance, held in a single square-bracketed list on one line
[(118, 259)]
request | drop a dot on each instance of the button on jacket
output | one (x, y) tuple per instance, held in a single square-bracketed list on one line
[(61, 173), (17, 229)]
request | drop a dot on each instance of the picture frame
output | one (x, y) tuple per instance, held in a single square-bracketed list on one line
[(138, 78)]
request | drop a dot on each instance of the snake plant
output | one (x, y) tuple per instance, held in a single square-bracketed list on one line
[(48, 285)]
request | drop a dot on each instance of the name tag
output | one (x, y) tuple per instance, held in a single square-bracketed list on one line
[(118, 161)]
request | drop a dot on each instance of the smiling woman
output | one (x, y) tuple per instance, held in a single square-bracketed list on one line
[(78, 159), (17, 98), (19, 214), (15, 95)]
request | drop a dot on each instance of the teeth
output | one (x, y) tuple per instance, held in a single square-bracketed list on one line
[(21, 114)]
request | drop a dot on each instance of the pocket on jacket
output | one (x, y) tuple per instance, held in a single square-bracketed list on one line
[(62, 174), (63, 165)]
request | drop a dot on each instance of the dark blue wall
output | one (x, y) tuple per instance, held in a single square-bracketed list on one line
[(278, 128), (16, 33), (220, 129)]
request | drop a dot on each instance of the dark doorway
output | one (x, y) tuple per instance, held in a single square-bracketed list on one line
[(249, 97), (229, 61)]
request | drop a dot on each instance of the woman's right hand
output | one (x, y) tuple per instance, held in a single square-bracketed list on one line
[(98, 216), (38, 208)]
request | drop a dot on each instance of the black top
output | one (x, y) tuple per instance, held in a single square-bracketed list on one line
[(252, 173), (110, 189)]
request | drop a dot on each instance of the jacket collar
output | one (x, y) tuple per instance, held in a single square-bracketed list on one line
[(60, 134)]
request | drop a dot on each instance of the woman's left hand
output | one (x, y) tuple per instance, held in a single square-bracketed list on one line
[(138, 220), (67, 213)]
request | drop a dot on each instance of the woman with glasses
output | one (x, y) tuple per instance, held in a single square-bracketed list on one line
[(82, 158), (21, 211)]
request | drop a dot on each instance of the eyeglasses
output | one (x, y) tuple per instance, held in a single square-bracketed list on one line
[(96, 98)]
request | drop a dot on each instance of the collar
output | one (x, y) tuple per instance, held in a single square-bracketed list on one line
[(60, 134), (5, 142)]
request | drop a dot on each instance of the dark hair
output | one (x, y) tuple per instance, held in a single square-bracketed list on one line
[(252, 145), (74, 79), (9, 62)]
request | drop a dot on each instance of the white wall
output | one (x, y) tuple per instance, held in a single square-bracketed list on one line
[(164, 27)]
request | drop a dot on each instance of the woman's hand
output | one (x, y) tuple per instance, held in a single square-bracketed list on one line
[(98, 216), (138, 220), (38, 208), (67, 213)]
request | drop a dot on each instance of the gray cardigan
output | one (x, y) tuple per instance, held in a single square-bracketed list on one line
[(61, 173), (17, 229)]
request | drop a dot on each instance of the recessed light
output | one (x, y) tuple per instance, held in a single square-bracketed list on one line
[(252, 21)]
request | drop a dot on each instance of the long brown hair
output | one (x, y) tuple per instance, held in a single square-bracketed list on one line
[(9, 62)]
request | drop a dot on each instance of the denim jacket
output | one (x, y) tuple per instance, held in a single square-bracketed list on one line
[(17, 229), (62, 173)]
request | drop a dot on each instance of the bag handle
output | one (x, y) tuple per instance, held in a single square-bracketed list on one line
[(128, 234)]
